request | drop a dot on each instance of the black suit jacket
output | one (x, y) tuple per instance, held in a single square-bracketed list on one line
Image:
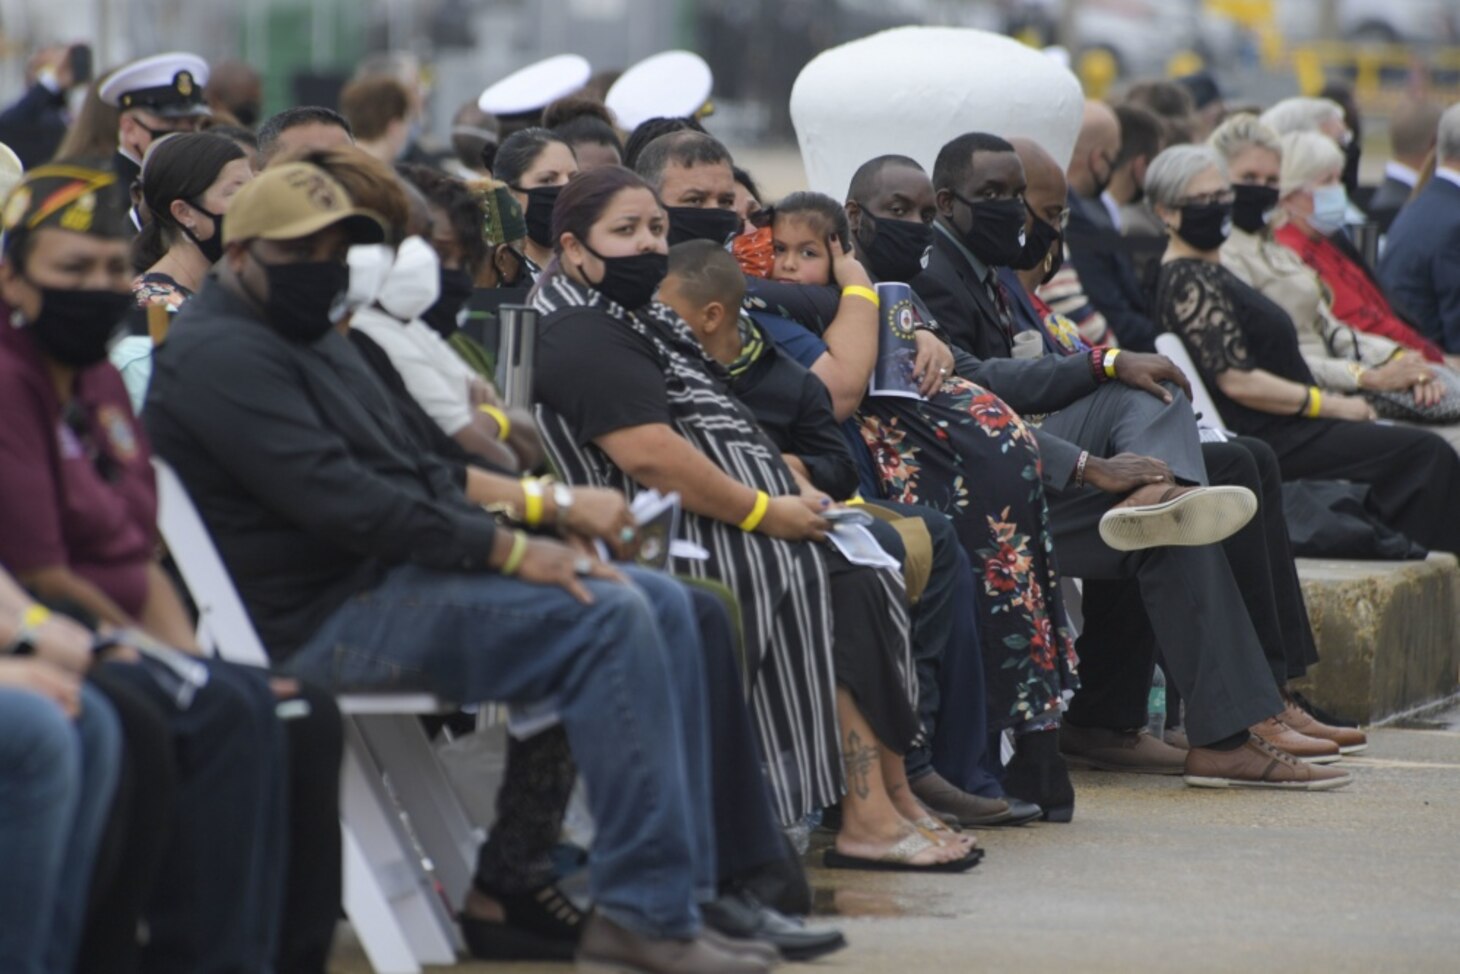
[(35, 125), (1097, 251), (960, 302), (1387, 201)]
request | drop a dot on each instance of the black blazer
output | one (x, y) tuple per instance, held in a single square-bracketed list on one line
[(1387, 201), (1108, 275), (960, 303)]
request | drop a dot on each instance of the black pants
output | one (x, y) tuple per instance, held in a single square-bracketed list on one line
[(517, 856), (1413, 475), (1118, 648), (132, 847), (250, 873)]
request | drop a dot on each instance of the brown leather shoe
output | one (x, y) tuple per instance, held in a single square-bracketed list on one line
[(1176, 737), (1284, 738), (971, 811), (1134, 751), (608, 948), (1257, 764), (1350, 740)]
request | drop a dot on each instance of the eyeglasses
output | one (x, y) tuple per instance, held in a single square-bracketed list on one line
[(1222, 198)]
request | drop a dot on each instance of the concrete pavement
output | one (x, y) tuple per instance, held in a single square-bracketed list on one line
[(1154, 876)]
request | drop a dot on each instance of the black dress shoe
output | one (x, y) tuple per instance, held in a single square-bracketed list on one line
[(780, 884), (1020, 813), (741, 916)]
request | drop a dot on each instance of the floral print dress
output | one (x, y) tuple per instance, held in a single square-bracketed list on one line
[(966, 453)]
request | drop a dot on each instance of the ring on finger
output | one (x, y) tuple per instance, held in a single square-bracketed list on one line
[(626, 533), (582, 565)]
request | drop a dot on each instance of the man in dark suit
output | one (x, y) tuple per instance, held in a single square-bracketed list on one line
[(1411, 137), (34, 125), (1098, 252), (1097, 420), (1420, 270)]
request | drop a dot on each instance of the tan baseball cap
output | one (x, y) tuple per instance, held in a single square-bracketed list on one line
[(295, 200)]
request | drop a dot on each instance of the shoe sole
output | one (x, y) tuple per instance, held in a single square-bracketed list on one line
[(1325, 784), (1322, 758), (1009, 821), (800, 955), (1199, 517), (1091, 764), (1353, 748)]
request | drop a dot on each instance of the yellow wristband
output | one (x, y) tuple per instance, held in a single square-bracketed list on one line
[(1109, 360), (515, 556), (857, 291), (856, 500), (34, 617), (1315, 402), (504, 425), (532, 501), (757, 513)]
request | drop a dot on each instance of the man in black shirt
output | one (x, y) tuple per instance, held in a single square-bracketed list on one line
[(361, 562)]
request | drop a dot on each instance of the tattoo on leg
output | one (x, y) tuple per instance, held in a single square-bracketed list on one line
[(859, 759)]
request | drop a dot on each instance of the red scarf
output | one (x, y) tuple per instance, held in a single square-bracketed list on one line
[(1357, 300)]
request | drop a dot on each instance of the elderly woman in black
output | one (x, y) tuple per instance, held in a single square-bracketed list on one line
[(627, 398), (1246, 349)]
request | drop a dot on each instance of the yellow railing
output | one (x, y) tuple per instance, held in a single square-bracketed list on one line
[(1381, 74)]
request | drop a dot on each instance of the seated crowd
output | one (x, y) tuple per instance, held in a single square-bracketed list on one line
[(873, 639)]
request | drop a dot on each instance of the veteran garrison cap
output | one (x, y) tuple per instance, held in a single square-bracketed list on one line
[(167, 85), (76, 196), (531, 89)]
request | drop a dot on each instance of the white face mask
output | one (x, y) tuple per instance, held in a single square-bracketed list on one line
[(369, 264), (414, 281), (1330, 205)]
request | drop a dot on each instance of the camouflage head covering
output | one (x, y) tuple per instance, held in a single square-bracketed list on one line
[(504, 222)]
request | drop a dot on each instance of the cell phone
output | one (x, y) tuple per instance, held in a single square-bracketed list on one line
[(79, 61)]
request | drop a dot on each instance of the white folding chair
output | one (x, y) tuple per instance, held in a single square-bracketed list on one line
[(1172, 347), (400, 915)]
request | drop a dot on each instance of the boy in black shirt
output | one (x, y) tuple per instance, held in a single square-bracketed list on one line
[(705, 287)]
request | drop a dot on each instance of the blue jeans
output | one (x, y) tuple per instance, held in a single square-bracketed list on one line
[(56, 782), (625, 675)]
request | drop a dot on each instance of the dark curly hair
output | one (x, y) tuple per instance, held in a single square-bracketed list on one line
[(462, 209)]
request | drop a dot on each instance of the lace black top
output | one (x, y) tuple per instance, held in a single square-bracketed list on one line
[(1225, 324)]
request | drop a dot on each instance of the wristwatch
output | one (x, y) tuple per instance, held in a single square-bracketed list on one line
[(563, 501)]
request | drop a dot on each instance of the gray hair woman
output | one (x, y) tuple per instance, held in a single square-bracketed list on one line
[(1341, 358), (1246, 351), (1313, 201)]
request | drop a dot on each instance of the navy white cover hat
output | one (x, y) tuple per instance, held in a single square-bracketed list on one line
[(533, 88), (168, 85), (671, 84)]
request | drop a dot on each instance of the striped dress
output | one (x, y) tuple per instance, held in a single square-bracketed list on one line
[(782, 587)]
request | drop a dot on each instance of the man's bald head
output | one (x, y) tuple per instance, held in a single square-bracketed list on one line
[(1096, 150), (1045, 178)]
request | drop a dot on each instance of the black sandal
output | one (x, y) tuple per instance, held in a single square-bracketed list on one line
[(539, 925)]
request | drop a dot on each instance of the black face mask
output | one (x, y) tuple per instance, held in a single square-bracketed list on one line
[(1102, 183), (631, 281), (895, 249), (539, 213), (212, 248), (1252, 205), (1206, 226), (302, 297), (1037, 246), (996, 235), (695, 223), (75, 327), (456, 287)]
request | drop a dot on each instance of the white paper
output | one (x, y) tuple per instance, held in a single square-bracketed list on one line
[(860, 547)]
